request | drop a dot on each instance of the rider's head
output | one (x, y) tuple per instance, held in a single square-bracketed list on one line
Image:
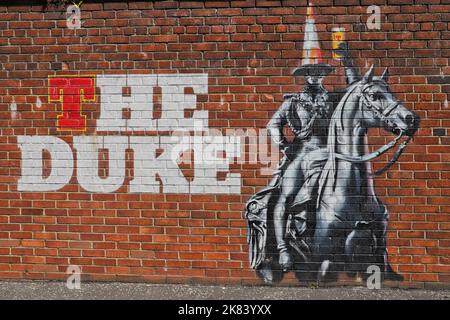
[(314, 73), (314, 80)]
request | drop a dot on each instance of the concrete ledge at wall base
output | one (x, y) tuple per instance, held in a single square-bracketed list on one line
[(218, 281), (49, 290)]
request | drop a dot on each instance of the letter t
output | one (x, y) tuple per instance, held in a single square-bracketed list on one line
[(71, 91)]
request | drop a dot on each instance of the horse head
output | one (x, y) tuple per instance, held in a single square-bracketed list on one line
[(368, 103), (381, 109)]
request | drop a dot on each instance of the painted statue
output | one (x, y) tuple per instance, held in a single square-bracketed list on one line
[(320, 215), (307, 115)]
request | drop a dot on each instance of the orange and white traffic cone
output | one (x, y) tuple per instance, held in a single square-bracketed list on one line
[(312, 62)]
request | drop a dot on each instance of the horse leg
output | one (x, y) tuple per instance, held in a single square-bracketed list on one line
[(359, 249), (326, 245), (380, 229), (292, 181)]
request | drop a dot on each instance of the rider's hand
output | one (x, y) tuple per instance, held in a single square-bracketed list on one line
[(342, 50)]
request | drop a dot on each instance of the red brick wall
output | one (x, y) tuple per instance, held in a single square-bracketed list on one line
[(248, 49)]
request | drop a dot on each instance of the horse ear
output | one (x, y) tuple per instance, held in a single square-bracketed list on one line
[(385, 75), (369, 75)]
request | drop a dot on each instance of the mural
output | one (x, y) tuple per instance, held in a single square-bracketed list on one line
[(156, 158), (320, 216)]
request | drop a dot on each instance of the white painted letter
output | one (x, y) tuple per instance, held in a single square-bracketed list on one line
[(175, 101), (139, 102), (61, 163), (212, 155), (168, 170), (148, 167), (87, 162)]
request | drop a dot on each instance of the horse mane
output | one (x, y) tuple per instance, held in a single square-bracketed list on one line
[(329, 169)]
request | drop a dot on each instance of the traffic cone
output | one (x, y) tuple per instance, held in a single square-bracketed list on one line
[(312, 62)]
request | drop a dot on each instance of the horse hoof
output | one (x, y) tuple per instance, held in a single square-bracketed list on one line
[(266, 276), (392, 276), (267, 273), (285, 261), (325, 274), (324, 269)]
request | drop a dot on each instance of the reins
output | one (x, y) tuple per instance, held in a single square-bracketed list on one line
[(375, 154), (383, 149)]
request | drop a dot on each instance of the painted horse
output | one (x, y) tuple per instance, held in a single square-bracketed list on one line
[(348, 233), (351, 221)]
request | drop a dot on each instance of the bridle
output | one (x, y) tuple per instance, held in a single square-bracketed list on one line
[(383, 115), (376, 111)]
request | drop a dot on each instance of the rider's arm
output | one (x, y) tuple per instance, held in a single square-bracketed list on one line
[(351, 73), (276, 124)]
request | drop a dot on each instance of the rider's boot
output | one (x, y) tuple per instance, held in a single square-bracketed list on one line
[(285, 259)]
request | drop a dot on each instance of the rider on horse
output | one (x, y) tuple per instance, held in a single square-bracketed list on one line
[(307, 114)]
